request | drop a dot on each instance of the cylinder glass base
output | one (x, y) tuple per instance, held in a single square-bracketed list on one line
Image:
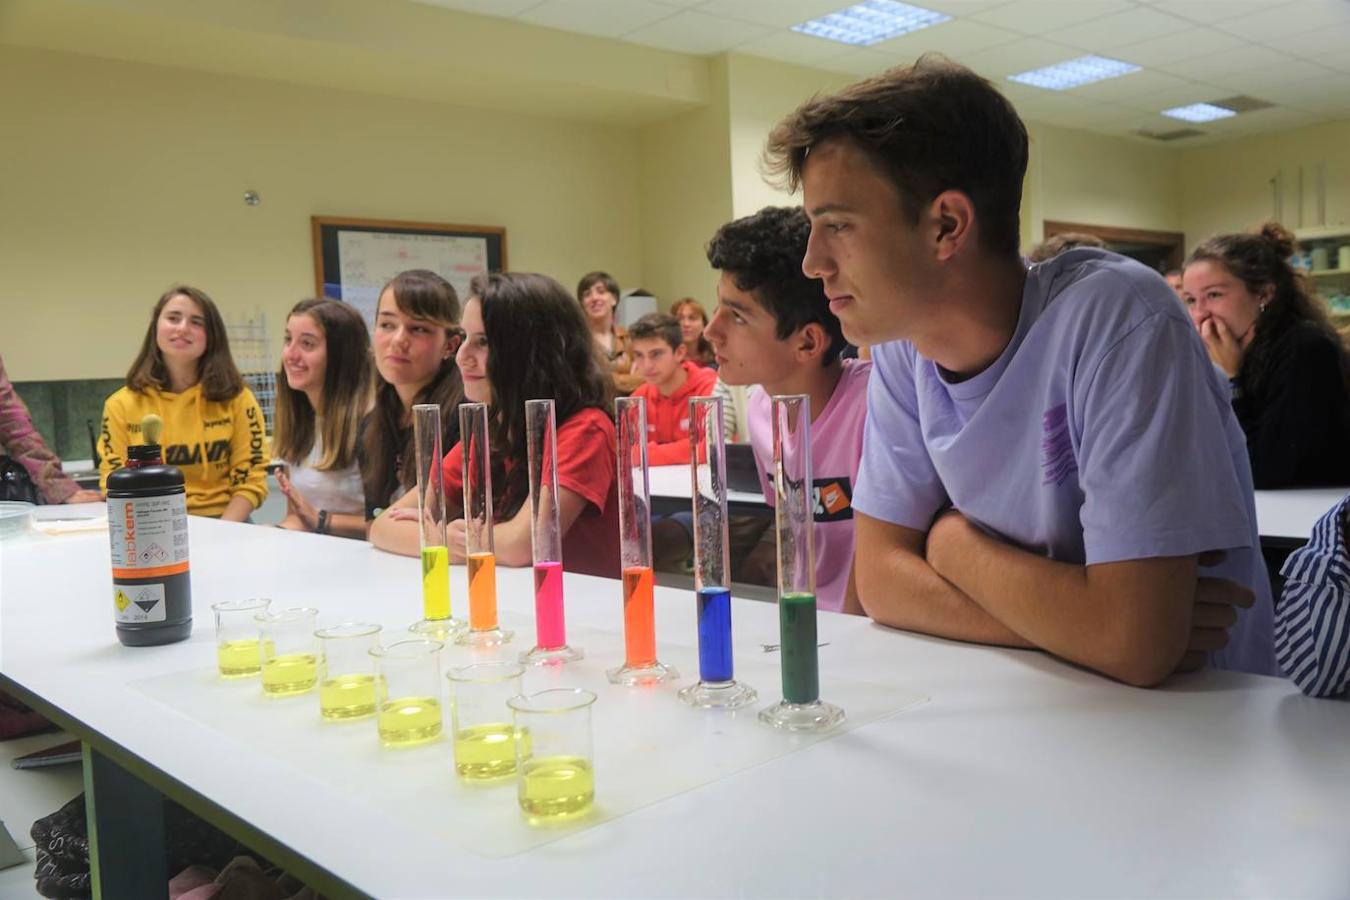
[(719, 695), (654, 672), (815, 716), (551, 656)]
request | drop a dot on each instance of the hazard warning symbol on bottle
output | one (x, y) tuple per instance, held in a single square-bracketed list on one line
[(139, 604)]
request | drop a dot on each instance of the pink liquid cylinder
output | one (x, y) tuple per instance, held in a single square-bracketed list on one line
[(550, 626)]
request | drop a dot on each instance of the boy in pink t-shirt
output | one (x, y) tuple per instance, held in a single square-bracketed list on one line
[(773, 328)]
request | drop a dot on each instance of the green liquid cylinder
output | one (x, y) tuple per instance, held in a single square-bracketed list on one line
[(797, 627)]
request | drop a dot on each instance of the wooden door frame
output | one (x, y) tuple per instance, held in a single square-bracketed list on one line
[(1173, 241)]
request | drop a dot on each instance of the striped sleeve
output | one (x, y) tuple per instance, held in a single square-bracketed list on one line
[(1312, 624)]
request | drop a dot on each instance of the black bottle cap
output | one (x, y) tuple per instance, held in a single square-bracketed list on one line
[(145, 452)]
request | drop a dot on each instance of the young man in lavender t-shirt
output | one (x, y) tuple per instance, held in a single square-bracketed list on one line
[(773, 328), (1050, 460)]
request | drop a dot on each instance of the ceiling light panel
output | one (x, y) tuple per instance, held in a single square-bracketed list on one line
[(1074, 73), (871, 22), (1199, 112)]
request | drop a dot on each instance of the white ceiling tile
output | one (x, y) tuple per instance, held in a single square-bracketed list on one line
[(1168, 48), (1210, 11), (957, 38), (1310, 96), (1338, 61), (1119, 30), (961, 8), (500, 8), (1322, 42), (858, 61), (1020, 56), (1293, 18), (1039, 16), (1036, 105), (1183, 94), (789, 46), (599, 17), (783, 13), (1130, 122), (1136, 84), (697, 33), (1214, 66), (1087, 116), (1273, 119), (1256, 81)]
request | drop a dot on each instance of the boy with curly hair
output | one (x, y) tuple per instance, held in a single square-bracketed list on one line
[(773, 328)]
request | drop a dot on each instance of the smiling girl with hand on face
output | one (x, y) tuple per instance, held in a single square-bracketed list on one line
[(525, 340), (1266, 329), (323, 392), (213, 428)]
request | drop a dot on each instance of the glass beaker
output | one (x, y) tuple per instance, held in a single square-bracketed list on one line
[(408, 691), (237, 651), (346, 671), (484, 733), (554, 773), (289, 651)]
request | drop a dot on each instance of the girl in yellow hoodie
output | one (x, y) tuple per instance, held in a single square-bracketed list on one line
[(213, 426)]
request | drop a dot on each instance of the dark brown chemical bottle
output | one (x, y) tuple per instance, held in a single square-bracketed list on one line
[(148, 529)]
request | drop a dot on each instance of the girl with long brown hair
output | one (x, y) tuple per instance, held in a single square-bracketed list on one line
[(213, 427), (323, 393), (416, 335), (526, 340)]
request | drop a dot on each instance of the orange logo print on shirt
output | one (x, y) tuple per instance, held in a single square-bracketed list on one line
[(834, 499)]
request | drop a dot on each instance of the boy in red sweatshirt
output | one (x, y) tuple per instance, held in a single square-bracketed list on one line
[(669, 380)]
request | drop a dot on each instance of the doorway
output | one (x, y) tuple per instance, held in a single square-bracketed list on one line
[(1159, 250)]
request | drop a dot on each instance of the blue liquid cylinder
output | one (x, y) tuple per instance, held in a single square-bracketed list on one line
[(714, 635)]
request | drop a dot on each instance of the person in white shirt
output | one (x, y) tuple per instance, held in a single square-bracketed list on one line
[(323, 391)]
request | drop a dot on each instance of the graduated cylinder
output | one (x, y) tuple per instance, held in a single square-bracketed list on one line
[(635, 549)]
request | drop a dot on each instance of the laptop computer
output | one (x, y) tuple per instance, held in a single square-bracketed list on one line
[(742, 473)]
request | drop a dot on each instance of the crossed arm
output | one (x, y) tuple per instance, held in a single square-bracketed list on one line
[(1136, 621)]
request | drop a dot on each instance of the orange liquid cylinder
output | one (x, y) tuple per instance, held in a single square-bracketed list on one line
[(639, 616), (482, 591)]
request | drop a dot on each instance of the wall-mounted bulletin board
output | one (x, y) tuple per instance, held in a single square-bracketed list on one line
[(354, 258)]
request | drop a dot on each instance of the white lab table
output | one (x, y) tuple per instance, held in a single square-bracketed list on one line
[(670, 492), (1020, 777), (1287, 517), (1284, 518)]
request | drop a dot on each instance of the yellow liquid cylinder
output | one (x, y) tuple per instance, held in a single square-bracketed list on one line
[(347, 697), (238, 659), (489, 751), (435, 583), (291, 673), (556, 787), (409, 721)]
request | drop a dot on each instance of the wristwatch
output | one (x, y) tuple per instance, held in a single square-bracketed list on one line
[(322, 526)]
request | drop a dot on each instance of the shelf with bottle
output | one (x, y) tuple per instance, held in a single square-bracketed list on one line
[(1324, 254)]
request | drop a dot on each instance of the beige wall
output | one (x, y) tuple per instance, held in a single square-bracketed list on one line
[(121, 178), (1227, 187), (760, 93), (686, 195), (1093, 179)]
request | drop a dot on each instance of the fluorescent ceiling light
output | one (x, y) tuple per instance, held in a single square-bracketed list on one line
[(1074, 73), (1199, 112), (871, 22)]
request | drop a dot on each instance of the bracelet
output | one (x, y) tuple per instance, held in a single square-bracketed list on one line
[(322, 526)]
